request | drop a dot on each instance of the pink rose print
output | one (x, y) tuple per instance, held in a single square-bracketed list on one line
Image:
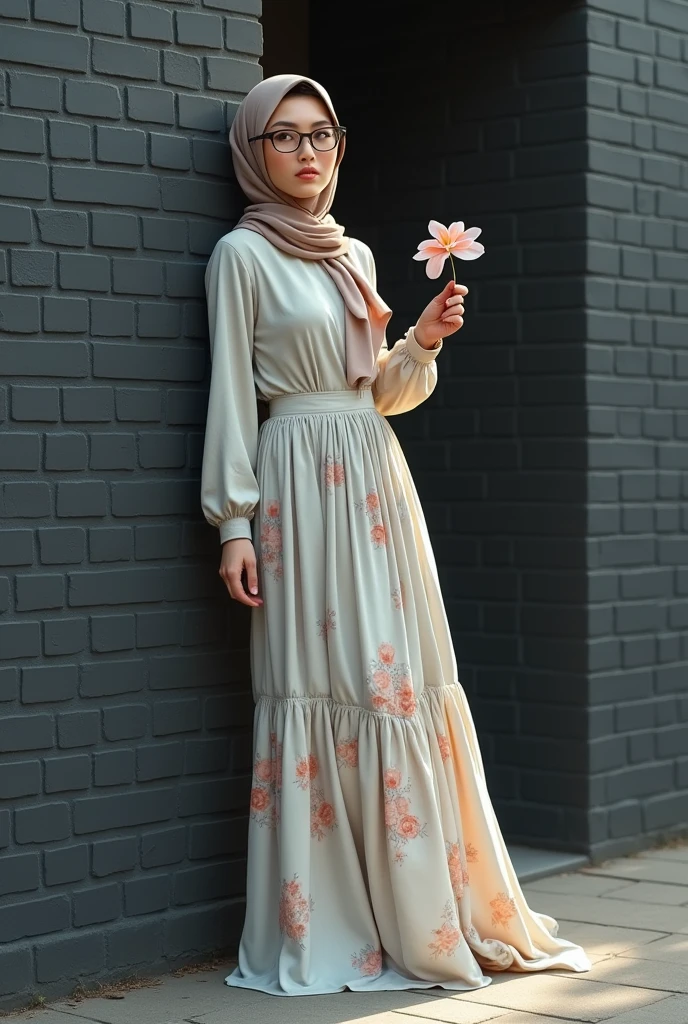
[(327, 624), (445, 749), (347, 753), (400, 824), (503, 907), (471, 853), (267, 785), (368, 961), (323, 818), (399, 595), (334, 472), (457, 868), (389, 683), (447, 935), (294, 911), (371, 506), (271, 540)]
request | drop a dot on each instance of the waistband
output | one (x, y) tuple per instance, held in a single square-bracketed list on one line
[(322, 401)]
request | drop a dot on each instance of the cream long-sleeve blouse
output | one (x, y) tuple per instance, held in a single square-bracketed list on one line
[(277, 326)]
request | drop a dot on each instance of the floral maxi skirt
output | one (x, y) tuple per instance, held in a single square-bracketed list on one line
[(375, 859)]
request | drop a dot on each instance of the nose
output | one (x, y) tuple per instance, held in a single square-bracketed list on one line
[(309, 141)]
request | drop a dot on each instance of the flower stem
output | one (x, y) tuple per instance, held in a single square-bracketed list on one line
[(452, 266)]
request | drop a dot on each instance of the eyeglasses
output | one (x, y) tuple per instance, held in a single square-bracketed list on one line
[(287, 141)]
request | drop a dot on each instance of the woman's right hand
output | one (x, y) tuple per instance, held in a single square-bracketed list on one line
[(236, 554)]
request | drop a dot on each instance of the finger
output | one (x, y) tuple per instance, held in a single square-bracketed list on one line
[(251, 577), (237, 591)]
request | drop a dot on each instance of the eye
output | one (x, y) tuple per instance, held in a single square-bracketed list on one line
[(283, 136)]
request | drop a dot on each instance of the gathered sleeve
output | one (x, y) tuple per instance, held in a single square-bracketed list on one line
[(406, 373), (229, 489)]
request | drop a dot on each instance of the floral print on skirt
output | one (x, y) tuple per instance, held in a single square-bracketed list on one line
[(375, 859)]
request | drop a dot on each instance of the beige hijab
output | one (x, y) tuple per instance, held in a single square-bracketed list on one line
[(311, 234)]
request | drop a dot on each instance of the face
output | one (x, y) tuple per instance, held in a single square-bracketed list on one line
[(303, 113)]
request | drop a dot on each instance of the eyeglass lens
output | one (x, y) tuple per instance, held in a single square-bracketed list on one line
[(286, 141)]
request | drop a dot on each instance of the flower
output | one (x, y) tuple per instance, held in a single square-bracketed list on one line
[(445, 241)]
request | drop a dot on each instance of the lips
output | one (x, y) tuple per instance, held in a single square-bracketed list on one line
[(307, 174)]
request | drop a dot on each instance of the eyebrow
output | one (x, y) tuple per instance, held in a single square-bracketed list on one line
[(291, 124)]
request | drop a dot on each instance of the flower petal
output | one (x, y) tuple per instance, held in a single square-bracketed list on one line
[(439, 231), (432, 246), (473, 232), (477, 249), (421, 255), (455, 229), (434, 265)]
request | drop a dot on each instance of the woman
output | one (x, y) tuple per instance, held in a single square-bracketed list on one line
[(375, 860)]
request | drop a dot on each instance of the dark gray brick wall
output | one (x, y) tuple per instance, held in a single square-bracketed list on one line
[(551, 459), (637, 386), (124, 685)]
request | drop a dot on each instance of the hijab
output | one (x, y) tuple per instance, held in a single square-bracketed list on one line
[(311, 234)]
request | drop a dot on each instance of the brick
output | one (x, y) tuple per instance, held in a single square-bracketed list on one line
[(39, 591), (114, 230), (48, 683), (19, 640), (137, 276), (201, 113), (22, 134), (194, 29), (70, 957), (20, 873), (112, 632), (32, 268), (94, 814), (181, 69), (113, 767), (149, 22), (164, 233), (151, 105), (146, 895), (35, 917), (64, 636), (117, 586), (66, 51), (65, 452), (62, 227), (140, 404), (112, 188), (19, 778), (16, 972), (171, 152), (84, 271), (130, 721), (96, 905), (110, 544), (112, 318), (82, 498), (159, 761), (61, 12), (78, 729), (34, 92), (62, 545), (93, 99), (61, 775), (15, 223), (121, 145), (125, 60), (42, 823), (20, 179), (14, 9), (19, 451), (225, 74), (65, 316), (104, 16), (167, 846), (103, 678), (111, 856), (16, 547)]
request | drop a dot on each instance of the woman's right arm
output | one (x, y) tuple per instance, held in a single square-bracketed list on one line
[(229, 488)]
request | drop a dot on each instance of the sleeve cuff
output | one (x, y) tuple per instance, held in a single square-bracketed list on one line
[(231, 529), (417, 352)]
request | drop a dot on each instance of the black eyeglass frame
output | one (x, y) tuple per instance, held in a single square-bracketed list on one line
[(302, 135)]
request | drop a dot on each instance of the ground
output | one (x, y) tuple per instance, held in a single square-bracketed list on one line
[(630, 915)]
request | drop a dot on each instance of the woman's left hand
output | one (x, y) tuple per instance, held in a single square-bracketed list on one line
[(442, 316)]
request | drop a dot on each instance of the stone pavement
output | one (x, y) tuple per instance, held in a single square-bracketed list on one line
[(630, 915)]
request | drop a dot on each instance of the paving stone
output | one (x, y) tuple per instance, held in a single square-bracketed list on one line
[(574, 884), (548, 992), (672, 949), (606, 940), (651, 892), (644, 869), (597, 910)]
